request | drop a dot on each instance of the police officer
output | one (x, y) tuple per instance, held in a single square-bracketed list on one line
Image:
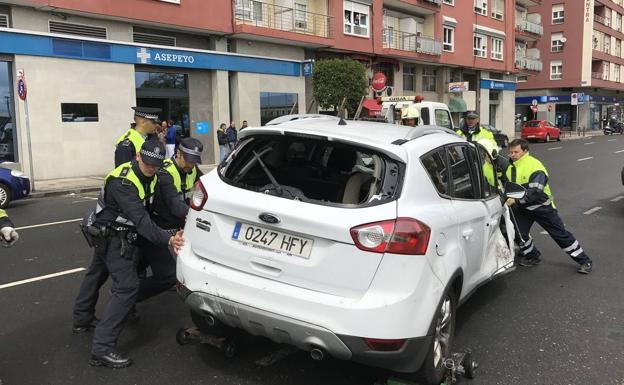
[(409, 116), (145, 124), (169, 210), (8, 235), (538, 206), (472, 130), (121, 213)]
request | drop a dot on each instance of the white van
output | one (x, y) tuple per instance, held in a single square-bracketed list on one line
[(431, 113)]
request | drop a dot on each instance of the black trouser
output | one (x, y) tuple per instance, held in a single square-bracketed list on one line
[(124, 291), (549, 219), (163, 266), (97, 274)]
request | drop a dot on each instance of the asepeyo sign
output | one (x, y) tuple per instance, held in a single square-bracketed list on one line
[(153, 56), (458, 87)]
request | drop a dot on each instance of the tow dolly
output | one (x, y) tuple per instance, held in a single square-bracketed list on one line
[(225, 344), (459, 364)]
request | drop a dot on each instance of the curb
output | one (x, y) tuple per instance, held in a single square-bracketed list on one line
[(75, 190)]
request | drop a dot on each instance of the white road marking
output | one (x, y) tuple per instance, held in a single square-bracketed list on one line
[(582, 159), (591, 211), (611, 140), (617, 198), (617, 152), (589, 143), (555, 148), (48, 224), (40, 278)]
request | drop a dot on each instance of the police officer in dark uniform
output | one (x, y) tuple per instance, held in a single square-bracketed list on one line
[(169, 210), (145, 125), (121, 214)]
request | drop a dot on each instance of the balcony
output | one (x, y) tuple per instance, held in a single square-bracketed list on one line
[(530, 64), (251, 13), (525, 26), (411, 42), (603, 20)]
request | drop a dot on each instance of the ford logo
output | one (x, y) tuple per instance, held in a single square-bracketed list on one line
[(269, 218)]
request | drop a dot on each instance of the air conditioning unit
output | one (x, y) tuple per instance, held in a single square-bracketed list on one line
[(389, 91)]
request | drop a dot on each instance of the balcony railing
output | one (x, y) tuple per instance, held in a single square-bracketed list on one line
[(527, 63), (259, 14), (412, 42), (530, 27), (603, 20), (600, 75)]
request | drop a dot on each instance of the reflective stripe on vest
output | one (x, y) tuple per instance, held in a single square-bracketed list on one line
[(134, 137), (520, 172), (482, 134), (171, 168)]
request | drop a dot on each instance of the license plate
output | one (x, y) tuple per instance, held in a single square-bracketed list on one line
[(278, 241), (531, 136)]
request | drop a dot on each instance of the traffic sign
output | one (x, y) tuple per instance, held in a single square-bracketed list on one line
[(534, 102), (574, 99), (21, 88)]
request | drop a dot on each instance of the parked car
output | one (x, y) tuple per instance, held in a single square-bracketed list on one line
[(357, 241), (13, 185), (540, 130), (501, 139)]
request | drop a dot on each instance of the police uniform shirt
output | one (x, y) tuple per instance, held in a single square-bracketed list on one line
[(125, 150)]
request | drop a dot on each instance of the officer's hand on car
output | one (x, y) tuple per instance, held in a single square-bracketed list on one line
[(8, 236), (510, 202), (177, 242)]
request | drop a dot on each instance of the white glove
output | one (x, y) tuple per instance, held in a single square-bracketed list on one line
[(9, 236), (510, 202)]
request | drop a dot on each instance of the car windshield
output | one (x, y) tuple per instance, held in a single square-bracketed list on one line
[(535, 123), (312, 169)]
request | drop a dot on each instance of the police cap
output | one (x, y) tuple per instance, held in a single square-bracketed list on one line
[(472, 115), (150, 113), (191, 149), (153, 152)]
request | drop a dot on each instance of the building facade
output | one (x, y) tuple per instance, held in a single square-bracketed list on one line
[(209, 62), (583, 60)]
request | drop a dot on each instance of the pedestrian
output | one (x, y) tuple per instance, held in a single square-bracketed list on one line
[(170, 139), (244, 125), (169, 209), (145, 124), (232, 136), (472, 130), (538, 206), (222, 139), (410, 116), (121, 215), (8, 235)]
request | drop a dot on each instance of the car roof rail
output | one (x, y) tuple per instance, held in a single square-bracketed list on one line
[(420, 131)]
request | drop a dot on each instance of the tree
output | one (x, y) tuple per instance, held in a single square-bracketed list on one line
[(336, 79)]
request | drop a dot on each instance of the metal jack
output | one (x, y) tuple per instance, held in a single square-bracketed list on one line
[(459, 364)]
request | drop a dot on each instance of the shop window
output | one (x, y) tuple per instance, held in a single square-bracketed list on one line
[(79, 112), (160, 80), (275, 104)]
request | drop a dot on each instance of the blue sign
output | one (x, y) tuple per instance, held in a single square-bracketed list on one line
[(202, 128), (497, 85), (307, 69)]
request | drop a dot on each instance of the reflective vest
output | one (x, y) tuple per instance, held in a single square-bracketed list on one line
[(482, 133), (4, 219), (3, 214), (520, 172), (134, 137), (183, 187), (125, 171)]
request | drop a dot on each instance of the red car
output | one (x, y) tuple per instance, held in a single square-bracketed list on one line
[(540, 130)]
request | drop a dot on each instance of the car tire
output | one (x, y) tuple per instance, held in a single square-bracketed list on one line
[(559, 138), (5, 196), (547, 138)]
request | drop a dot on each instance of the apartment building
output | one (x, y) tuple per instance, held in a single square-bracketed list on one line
[(583, 55), (207, 62)]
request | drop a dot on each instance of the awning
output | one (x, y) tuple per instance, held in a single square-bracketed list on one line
[(457, 105)]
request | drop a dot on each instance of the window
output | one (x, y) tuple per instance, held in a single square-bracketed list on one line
[(79, 112), (462, 185), (424, 115), (409, 78), (435, 164), (274, 104), (556, 42), (558, 14), (449, 2), (356, 18), (618, 22), (556, 70), (606, 46), (429, 80), (616, 73), (8, 134), (249, 10), (605, 71), (618, 47), (449, 39), (301, 12), (443, 119), (159, 80), (497, 49), (498, 9), (480, 7), (480, 45), (487, 171)]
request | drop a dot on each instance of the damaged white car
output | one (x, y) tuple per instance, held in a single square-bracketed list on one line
[(356, 240)]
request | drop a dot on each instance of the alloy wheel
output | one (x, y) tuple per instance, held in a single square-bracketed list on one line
[(4, 196), (443, 330)]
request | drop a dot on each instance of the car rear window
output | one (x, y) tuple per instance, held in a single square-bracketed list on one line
[(313, 169), (532, 124)]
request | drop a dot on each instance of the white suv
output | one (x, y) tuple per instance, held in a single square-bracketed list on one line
[(355, 239)]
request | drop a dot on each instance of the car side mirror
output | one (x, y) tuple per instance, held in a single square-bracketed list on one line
[(514, 190)]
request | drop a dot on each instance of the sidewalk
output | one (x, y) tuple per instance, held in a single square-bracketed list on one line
[(51, 187)]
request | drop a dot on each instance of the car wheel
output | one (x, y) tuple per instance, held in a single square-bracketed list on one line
[(5, 196), (559, 137), (547, 138)]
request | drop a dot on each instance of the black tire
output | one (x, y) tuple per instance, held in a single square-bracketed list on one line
[(559, 138), (469, 366), (5, 196), (218, 329), (547, 138)]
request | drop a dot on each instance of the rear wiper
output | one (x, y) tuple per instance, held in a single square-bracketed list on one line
[(278, 188)]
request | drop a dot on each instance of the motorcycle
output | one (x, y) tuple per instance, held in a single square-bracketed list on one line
[(614, 128)]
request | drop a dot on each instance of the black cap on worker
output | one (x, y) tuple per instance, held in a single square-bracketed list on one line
[(472, 115), (153, 152), (191, 149), (150, 113)]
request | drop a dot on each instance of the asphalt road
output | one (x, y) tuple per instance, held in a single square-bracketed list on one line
[(542, 325)]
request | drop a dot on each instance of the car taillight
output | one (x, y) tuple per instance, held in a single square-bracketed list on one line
[(200, 196), (382, 345), (400, 236)]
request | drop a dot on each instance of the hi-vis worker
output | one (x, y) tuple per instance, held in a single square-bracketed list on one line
[(169, 210), (121, 215), (472, 130), (538, 206), (8, 235), (410, 116), (145, 124)]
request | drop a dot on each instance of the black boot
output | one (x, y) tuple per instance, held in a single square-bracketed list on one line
[(112, 360), (82, 328)]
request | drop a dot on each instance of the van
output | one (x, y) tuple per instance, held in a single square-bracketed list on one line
[(431, 113)]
